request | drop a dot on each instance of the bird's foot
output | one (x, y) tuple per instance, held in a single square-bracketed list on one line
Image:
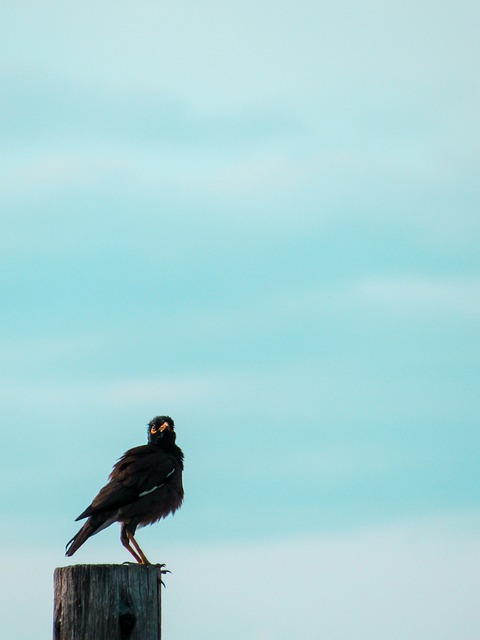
[(161, 566)]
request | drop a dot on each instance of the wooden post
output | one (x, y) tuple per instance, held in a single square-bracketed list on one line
[(107, 602)]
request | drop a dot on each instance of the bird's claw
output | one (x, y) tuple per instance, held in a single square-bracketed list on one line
[(163, 571), (161, 567)]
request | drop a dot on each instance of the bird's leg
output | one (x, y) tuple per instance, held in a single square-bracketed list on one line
[(125, 539), (137, 547)]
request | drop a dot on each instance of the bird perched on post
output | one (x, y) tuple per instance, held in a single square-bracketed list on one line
[(145, 486)]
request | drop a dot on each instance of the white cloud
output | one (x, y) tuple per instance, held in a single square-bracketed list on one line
[(121, 393), (226, 56), (149, 169), (423, 294), (399, 294)]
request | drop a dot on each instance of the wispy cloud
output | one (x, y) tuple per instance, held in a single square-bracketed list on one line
[(420, 294), (122, 393)]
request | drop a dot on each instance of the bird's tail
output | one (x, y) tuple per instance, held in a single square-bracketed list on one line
[(97, 522), (79, 538)]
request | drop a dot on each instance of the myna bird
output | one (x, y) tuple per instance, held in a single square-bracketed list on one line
[(144, 486)]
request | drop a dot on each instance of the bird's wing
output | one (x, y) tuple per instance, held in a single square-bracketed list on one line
[(138, 472)]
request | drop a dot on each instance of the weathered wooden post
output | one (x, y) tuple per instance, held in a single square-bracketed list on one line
[(107, 602)]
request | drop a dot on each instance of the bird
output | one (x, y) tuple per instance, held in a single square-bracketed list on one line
[(145, 485)]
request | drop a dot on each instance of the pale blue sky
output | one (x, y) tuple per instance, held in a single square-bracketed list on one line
[(259, 218)]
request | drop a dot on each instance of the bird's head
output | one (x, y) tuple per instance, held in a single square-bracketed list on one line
[(161, 429)]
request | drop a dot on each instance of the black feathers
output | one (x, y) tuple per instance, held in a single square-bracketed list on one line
[(145, 485)]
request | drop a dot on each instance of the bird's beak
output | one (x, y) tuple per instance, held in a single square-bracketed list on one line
[(163, 427)]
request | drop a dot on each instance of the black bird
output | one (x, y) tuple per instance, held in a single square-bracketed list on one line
[(145, 486)]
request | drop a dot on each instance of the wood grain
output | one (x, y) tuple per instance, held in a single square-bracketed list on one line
[(107, 602)]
